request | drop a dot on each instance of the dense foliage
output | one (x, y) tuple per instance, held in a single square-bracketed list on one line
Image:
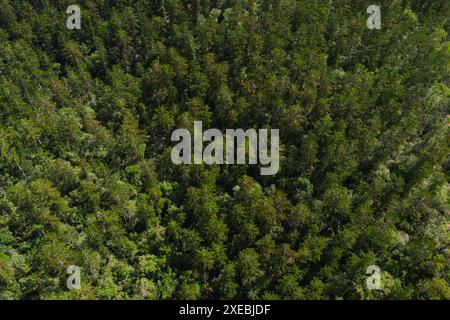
[(86, 177)]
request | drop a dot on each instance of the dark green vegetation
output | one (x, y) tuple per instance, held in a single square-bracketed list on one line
[(85, 172)]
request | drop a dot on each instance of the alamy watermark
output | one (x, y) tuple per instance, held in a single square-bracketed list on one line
[(74, 20), (74, 280), (373, 281), (374, 20), (237, 143)]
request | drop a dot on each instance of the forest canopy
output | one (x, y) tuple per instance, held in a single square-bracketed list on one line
[(86, 178)]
